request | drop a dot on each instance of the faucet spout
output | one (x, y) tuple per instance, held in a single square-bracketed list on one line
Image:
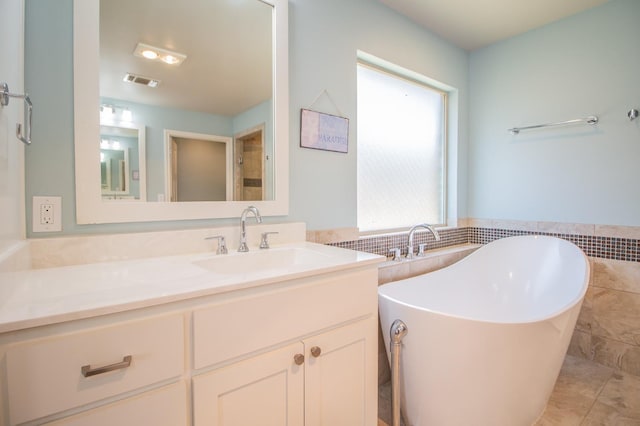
[(413, 230), (243, 228)]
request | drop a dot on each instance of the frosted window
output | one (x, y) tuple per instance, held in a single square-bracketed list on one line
[(401, 148)]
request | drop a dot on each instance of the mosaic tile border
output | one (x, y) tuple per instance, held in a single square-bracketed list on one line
[(382, 244), (614, 248), (593, 246)]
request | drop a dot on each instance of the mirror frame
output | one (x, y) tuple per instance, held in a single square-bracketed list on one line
[(90, 209)]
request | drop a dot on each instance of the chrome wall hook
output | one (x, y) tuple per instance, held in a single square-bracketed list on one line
[(632, 114), (28, 108)]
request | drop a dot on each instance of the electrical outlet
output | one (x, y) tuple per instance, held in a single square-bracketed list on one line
[(47, 214)]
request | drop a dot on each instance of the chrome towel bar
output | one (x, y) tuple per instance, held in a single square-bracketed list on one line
[(28, 108), (592, 119)]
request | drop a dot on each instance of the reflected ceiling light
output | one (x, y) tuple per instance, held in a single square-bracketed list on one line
[(158, 54), (113, 113), (127, 115), (106, 113)]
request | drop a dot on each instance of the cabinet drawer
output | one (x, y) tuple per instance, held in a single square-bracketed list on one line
[(238, 327), (162, 407), (44, 375)]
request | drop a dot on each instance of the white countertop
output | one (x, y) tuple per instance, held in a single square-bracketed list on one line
[(39, 297)]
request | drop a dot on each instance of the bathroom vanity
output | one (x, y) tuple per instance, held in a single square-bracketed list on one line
[(281, 336)]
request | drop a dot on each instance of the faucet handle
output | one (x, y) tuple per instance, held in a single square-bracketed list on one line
[(421, 250), (222, 244), (409, 252), (264, 242), (397, 257)]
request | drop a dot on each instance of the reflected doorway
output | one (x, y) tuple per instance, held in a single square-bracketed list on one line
[(249, 170), (198, 167)]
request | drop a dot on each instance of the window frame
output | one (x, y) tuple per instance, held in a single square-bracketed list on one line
[(413, 77)]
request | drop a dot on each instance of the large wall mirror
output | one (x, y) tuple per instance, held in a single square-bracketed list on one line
[(215, 71)]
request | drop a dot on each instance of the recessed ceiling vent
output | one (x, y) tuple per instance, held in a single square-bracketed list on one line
[(140, 79)]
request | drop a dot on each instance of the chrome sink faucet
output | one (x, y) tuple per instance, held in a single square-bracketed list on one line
[(413, 230), (243, 229)]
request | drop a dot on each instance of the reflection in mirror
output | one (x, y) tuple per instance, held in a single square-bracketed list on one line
[(249, 170), (226, 105), (114, 170), (122, 168), (159, 60), (198, 167)]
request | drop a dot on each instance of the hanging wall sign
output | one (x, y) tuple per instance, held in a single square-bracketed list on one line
[(323, 131)]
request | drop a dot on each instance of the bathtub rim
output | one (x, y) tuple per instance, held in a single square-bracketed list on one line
[(577, 300)]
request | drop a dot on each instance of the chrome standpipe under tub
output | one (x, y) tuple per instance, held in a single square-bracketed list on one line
[(396, 334)]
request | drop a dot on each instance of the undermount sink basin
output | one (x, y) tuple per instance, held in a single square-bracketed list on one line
[(268, 261)]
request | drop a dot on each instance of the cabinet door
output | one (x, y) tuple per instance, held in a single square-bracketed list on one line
[(341, 381), (266, 390)]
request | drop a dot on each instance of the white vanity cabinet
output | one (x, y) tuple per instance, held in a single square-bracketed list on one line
[(301, 350), (323, 380), (312, 360)]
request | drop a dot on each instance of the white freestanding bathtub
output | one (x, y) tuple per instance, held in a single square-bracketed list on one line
[(487, 335)]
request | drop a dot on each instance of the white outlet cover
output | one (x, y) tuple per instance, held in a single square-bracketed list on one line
[(55, 222)]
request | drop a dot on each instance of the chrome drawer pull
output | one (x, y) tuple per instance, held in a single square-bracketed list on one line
[(87, 371)]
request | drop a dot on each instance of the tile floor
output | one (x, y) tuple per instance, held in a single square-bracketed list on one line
[(586, 394)]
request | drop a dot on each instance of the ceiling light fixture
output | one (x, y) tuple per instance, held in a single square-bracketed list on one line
[(158, 54), (149, 54)]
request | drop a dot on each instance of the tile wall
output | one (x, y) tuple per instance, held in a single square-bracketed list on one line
[(608, 329)]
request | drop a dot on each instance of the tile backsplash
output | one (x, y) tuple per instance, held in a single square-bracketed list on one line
[(593, 246), (621, 245)]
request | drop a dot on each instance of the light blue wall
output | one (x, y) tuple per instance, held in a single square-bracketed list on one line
[(49, 82), (583, 65), (324, 38)]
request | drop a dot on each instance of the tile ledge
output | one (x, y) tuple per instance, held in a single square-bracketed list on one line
[(432, 254)]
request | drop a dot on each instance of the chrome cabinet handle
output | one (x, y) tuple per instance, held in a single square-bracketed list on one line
[(87, 371), (298, 359), (316, 351)]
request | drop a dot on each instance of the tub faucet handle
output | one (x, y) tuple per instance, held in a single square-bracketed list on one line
[(397, 257), (421, 250)]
